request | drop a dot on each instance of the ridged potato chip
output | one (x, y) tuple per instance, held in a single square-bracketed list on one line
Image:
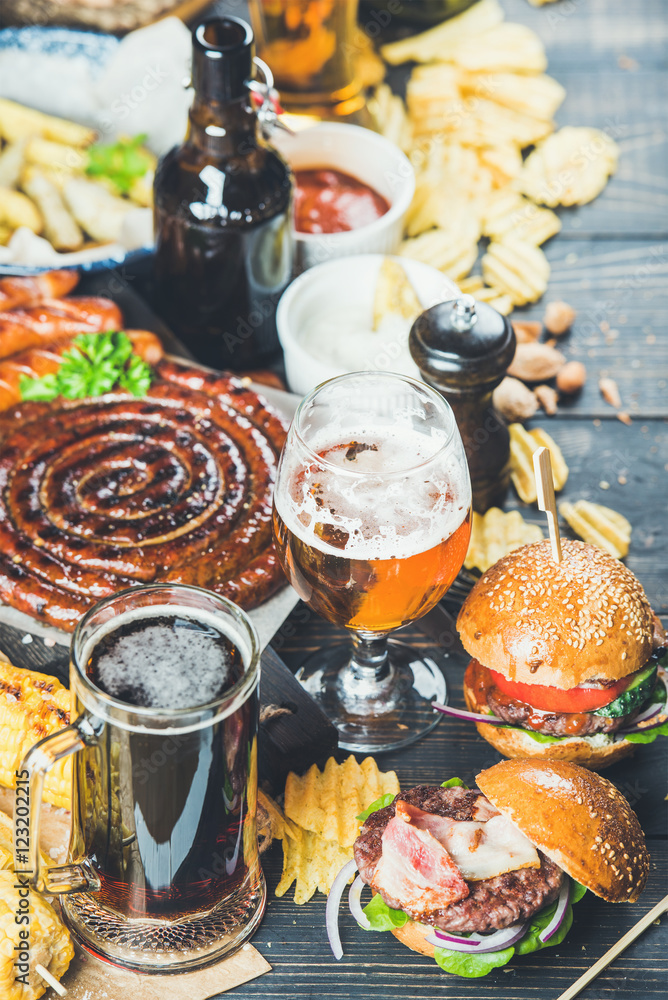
[(320, 824), (443, 250), (523, 443), (570, 167), (495, 534), (516, 268), (441, 41), (598, 525), (539, 100), (328, 802), (312, 862)]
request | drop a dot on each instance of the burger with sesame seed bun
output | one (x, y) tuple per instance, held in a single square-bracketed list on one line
[(568, 658)]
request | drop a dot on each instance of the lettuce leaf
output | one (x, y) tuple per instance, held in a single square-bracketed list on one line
[(381, 917), (453, 783), (377, 804), (471, 966), (648, 736)]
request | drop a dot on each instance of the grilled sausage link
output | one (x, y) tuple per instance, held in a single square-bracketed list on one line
[(40, 361), (31, 290), (54, 319)]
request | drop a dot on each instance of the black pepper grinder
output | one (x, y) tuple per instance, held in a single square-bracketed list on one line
[(463, 348)]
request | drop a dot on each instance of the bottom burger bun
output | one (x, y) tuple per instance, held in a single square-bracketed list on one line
[(595, 752), (413, 936), (575, 817)]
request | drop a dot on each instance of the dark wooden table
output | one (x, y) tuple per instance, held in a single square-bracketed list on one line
[(610, 262)]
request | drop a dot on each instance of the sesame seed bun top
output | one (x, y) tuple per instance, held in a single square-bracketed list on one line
[(558, 624), (575, 817)]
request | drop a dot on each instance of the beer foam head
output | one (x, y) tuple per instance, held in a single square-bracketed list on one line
[(389, 494), (163, 658)]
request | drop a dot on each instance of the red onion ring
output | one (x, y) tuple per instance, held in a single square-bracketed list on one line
[(459, 713), (559, 914)]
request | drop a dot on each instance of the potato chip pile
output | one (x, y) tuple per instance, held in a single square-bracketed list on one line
[(319, 824), (495, 534), (476, 102)]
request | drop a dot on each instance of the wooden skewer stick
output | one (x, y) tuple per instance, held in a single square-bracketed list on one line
[(617, 949), (542, 467), (51, 980)]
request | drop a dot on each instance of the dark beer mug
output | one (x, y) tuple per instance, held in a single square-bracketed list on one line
[(164, 872)]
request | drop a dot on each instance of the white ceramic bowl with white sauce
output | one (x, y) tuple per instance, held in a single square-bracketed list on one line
[(367, 156), (325, 320)]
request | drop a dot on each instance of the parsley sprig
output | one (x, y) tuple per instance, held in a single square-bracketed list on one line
[(121, 162), (96, 363)]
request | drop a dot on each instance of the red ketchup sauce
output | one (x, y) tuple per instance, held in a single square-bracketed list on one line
[(329, 201)]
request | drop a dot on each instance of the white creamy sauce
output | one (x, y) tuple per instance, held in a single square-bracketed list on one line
[(347, 341)]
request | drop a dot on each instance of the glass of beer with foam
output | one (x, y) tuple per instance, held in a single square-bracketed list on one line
[(163, 871), (372, 517)]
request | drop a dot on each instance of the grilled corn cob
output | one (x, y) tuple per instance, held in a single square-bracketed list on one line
[(50, 942), (32, 706)]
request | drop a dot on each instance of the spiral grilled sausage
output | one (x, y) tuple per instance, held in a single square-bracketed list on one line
[(101, 494)]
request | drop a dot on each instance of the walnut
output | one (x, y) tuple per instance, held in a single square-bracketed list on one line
[(526, 332), (572, 377), (536, 362), (610, 392), (558, 318), (514, 401), (547, 397)]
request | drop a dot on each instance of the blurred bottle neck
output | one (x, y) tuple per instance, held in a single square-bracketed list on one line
[(222, 129)]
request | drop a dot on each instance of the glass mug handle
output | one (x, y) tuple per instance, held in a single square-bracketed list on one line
[(37, 762)]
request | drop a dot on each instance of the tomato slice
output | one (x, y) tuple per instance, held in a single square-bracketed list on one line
[(552, 699)]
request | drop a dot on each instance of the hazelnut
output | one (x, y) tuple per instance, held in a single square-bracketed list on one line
[(547, 397), (572, 377), (559, 317), (514, 401)]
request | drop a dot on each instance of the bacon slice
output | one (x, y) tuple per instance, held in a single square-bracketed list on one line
[(416, 870), (480, 849)]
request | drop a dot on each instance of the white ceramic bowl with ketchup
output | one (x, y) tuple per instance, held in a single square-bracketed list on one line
[(367, 157)]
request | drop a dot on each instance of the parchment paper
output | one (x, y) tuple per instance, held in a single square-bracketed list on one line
[(90, 979)]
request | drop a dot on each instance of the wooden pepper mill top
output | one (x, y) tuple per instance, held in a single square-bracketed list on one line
[(463, 348)]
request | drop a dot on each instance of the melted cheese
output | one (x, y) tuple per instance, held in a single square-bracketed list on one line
[(480, 849)]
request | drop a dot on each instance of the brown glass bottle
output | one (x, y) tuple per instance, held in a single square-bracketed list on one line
[(223, 207)]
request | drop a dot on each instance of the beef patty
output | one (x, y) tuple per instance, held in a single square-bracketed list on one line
[(518, 713), (492, 903)]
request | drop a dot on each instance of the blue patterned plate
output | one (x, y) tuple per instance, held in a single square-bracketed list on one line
[(96, 49)]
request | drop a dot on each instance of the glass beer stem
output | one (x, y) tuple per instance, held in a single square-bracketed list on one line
[(369, 660), (367, 683)]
